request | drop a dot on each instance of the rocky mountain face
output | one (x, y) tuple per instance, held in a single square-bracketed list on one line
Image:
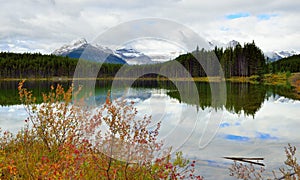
[(132, 56), (82, 49)]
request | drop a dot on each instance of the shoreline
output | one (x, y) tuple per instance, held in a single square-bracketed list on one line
[(197, 79), (269, 79)]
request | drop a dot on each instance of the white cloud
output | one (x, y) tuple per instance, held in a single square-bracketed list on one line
[(47, 24), (157, 49)]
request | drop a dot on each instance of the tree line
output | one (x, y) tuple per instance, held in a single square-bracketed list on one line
[(36, 65), (240, 60), (289, 64), (246, 60)]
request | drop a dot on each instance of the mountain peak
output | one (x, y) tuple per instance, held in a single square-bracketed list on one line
[(132, 56), (79, 42), (70, 47), (95, 53)]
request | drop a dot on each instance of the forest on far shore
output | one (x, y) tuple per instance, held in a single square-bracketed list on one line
[(245, 61)]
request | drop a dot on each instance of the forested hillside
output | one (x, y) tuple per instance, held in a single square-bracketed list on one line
[(246, 60), (15, 65), (239, 61), (291, 64)]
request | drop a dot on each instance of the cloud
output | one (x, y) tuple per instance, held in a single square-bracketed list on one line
[(225, 124), (48, 24), (265, 136), (157, 49)]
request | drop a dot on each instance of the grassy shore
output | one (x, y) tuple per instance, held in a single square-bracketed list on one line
[(294, 80)]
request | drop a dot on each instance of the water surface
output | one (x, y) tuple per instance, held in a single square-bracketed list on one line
[(255, 121)]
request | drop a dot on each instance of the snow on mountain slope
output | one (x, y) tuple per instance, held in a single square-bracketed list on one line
[(276, 55), (84, 50), (132, 56), (70, 47)]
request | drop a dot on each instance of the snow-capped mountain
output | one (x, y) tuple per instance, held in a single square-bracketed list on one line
[(82, 49), (132, 56), (127, 55), (70, 47), (276, 55)]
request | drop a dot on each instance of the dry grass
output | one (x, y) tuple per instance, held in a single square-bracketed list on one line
[(276, 79), (295, 81)]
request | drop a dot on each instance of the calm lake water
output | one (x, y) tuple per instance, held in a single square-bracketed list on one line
[(255, 120)]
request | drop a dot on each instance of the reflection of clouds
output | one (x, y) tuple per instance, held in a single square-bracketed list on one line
[(274, 120), (236, 137), (178, 120), (285, 100), (265, 135), (12, 117), (274, 126), (225, 124)]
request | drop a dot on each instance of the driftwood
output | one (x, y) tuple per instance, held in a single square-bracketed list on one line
[(250, 160), (247, 160)]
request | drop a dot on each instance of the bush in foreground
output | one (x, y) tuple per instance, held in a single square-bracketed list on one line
[(63, 140)]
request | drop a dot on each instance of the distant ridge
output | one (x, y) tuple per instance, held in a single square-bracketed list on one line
[(82, 49), (132, 56), (277, 55)]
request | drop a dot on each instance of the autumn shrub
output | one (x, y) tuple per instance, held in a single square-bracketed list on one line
[(62, 139)]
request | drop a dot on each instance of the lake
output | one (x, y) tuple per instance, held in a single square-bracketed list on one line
[(254, 120)]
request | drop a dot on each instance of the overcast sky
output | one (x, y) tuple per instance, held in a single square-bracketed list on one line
[(45, 25)]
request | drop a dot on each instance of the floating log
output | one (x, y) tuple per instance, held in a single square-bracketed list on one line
[(247, 160)]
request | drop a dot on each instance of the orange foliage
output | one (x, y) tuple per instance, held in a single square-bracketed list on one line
[(63, 140)]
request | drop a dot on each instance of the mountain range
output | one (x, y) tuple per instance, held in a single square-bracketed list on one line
[(132, 56), (82, 49), (276, 55)]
